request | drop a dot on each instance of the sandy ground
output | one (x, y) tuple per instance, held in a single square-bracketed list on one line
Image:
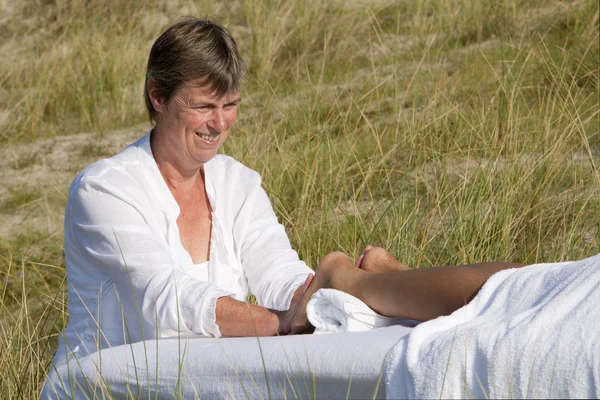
[(40, 173)]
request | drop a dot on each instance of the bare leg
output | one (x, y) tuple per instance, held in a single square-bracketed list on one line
[(419, 294)]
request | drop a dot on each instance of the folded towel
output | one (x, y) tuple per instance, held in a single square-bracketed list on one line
[(331, 310), (531, 332)]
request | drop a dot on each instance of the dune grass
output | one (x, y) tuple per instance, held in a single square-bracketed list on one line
[(449, 132)]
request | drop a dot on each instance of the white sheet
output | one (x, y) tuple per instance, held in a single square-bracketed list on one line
[(532, 332), (330, 366), (330, 310)]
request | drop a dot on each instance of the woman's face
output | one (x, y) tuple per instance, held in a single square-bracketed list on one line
[(196, 121)]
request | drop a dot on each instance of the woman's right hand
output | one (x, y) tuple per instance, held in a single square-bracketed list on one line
[(287, 318), (333, 264)]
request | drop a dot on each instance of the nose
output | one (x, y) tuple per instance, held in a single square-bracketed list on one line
[(218, 121)]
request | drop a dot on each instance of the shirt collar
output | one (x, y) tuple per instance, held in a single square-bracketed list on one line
[(154, 177), (158, 184)]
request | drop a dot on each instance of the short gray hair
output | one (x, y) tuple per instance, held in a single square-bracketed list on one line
[(193, 49)]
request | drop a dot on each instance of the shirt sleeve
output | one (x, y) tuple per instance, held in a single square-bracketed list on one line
[(272, 268), (110, 230)]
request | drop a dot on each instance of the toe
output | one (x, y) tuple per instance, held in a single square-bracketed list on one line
[(359, 261)]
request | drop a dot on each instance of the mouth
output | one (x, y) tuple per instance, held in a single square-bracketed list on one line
[(208, 138)]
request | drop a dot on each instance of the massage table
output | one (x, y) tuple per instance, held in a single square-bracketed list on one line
[(326, 366)]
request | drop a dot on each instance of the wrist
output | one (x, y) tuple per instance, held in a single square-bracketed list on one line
[(282, 323), (270, 324), (266, 323)]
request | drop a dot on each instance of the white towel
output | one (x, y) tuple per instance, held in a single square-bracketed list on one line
[(532, 332), (331, 310)]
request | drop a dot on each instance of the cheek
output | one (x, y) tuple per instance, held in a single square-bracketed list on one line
[(194, 121), (231, 117)]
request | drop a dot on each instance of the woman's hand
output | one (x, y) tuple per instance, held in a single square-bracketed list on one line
[(286, 318), (334, 264), (236, 318)]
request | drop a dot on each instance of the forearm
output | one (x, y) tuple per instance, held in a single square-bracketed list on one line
[(236, 318)]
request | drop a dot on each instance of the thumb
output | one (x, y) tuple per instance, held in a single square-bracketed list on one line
[(307, 283)]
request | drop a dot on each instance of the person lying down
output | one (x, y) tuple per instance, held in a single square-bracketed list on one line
[(392, 289)]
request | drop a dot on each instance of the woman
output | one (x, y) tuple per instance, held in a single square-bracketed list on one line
[(167, 237)]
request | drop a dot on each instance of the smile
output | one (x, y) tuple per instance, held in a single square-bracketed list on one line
[(208, 138)]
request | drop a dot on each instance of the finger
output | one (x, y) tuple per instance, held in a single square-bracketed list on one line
[(305, 287), (307, 283), (291, 313)]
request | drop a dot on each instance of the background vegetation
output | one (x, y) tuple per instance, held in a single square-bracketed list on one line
[(448, 131)]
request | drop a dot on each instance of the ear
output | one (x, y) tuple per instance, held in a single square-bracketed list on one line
[(158, 102)]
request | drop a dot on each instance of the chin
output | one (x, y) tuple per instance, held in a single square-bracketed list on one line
[(204, 157)]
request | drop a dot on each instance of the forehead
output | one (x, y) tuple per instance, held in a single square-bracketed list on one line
[(203, 89)]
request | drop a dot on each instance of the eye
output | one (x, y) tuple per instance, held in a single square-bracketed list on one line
[(230, 106)]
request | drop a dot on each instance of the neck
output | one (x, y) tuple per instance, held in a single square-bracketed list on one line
[(170, 162)]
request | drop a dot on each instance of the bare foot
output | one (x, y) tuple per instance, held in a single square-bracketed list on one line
[(333, 271), (377, 259)]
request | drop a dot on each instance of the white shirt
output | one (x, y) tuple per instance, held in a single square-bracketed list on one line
[(129, 277)]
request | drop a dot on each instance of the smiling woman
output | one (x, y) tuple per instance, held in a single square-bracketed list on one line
[(167, 237)]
